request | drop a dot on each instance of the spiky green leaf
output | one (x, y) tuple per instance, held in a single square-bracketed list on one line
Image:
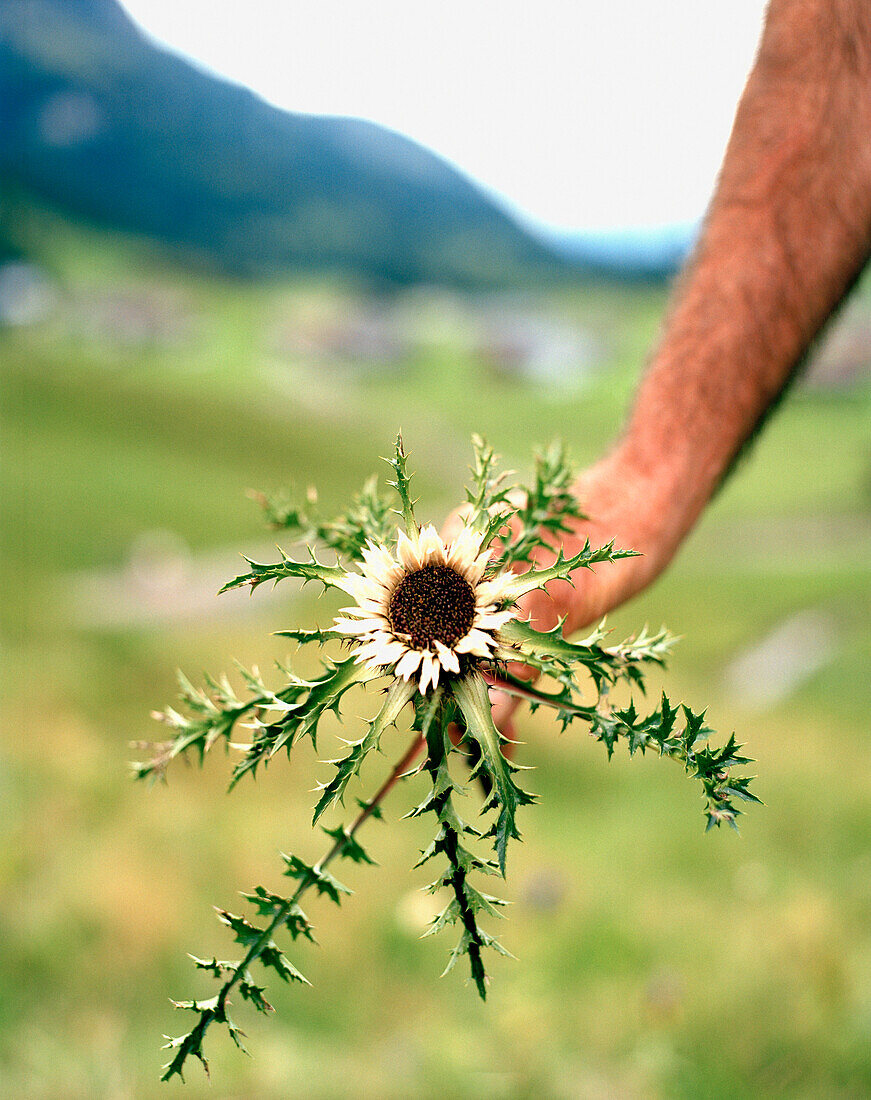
[(330, 576), (348, 847), (563, 567), (316, 636), (399, 694), (402, 484), (316, 877), (471, 695)]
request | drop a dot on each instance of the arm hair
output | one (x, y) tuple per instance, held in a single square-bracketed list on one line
[(785, 237)]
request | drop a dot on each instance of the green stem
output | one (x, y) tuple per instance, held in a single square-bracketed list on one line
[(503, 680), (397, 773), (436, 756)]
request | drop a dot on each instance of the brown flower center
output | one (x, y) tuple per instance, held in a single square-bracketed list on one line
[(432, 603)]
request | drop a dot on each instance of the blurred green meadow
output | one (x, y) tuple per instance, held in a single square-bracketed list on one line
[(140, 403)]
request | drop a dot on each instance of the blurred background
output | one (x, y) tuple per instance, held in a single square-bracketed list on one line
[(206, 289)]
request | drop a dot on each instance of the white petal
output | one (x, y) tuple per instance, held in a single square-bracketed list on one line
[(369, 609), (475, 571), (426, 671), (380, 565), (408, 663), (366, 652), (495, 589), (362, 588), (391, 652), (477, 642), (447, 657), (463, 550), (357, 626), (377, 609), (383, 651), (407, 552), (492, 620), (431, 547)]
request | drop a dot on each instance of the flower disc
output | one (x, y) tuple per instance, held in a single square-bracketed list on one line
[(420, 611), (433, 603)]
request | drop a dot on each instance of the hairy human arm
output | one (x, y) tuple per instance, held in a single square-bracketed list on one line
[(786, 234)]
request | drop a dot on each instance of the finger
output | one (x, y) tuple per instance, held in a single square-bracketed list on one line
[(455, 522)]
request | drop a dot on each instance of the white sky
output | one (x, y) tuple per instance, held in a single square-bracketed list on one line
[(583, 113)]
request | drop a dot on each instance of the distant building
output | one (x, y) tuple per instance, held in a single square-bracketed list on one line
[(135, 316), (353, 334), (537, 348)]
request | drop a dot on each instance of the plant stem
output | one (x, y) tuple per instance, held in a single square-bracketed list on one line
[(438, 748), (513, 685), (399, 770)]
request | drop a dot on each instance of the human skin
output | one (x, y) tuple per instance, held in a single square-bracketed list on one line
[(786, 234)]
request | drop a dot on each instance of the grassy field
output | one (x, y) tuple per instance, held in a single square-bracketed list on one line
[(653, 960)]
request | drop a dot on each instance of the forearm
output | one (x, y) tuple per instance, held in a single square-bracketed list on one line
[(787, 232)]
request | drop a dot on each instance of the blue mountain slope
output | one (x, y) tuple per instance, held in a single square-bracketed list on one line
[(101, 122), (627, 254)]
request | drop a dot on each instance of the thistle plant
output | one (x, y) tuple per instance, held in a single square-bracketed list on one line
[(431, 626)]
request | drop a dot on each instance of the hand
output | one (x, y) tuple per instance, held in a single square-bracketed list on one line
[(621, 505)]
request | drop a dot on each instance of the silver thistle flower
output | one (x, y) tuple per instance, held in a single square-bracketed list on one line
[(428, 608), (440, 620)]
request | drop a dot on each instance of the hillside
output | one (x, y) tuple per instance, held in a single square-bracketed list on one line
[(102, 123)]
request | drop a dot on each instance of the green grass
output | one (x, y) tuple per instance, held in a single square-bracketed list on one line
[(654, 961)]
